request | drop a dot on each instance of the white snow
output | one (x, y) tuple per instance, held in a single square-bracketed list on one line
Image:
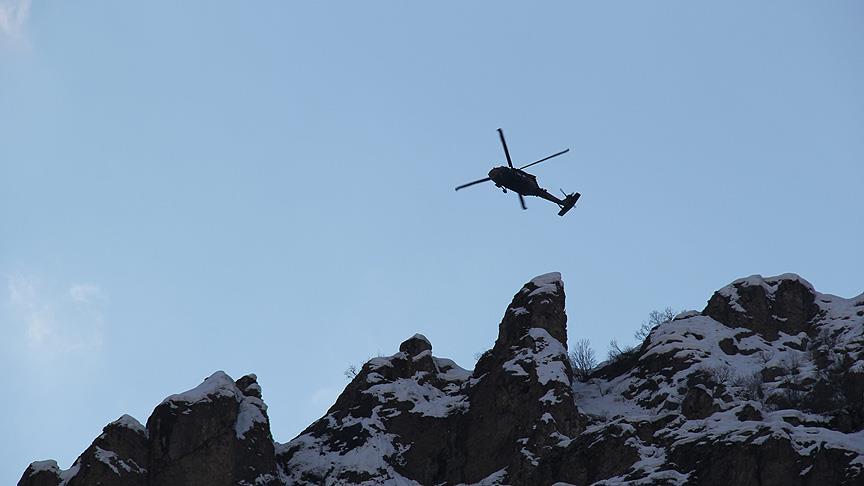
[(495, 479), (112, 460), (448, 370), (514, 368), (519, 311), (49, 465), (253, 387), (218, 384), (426, 399), (694, 339), (546, 283), (686, 314), (550, 397), (68, 474), (251, 411), (130, 423), (313, 456), (545, 353)]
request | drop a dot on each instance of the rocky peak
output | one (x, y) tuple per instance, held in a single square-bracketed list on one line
[(422, 417), (767, 306), (415, 345), (538, 305), (248, 385), (215, 433)]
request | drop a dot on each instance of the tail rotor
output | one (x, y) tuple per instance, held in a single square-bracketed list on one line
[(569, 202)]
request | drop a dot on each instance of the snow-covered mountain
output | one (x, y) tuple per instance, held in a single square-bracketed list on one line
[(764, 387)]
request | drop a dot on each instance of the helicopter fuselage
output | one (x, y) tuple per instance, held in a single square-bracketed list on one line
[(520, 182)]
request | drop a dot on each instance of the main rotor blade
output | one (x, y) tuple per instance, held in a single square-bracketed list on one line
[(522, 201), (506, 152), (463, 186), (544, 159)]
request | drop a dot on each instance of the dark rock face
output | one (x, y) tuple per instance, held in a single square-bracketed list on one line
[(42, 473), (117, 457), (766, 306), (522, 405), (214, 434), (764, 387), (698, 403)]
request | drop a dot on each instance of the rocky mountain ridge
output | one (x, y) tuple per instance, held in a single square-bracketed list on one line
[(765, 386)]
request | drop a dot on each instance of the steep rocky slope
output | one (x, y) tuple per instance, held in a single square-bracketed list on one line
[(764, 387)]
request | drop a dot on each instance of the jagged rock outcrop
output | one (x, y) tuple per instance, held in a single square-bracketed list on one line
[(425, 419), (765, 386), (786, 303), (217, 433)]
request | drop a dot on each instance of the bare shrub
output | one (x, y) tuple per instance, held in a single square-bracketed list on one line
[(750, 386), (351, 372), (794, 364), (618, 352), (655, 318), (792, 394), (583, 359), (721, 375)]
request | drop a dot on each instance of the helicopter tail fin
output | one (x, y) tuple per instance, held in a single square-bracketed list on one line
[(569, 202)]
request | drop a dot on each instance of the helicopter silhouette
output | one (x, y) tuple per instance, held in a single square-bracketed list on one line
[(523, 183)]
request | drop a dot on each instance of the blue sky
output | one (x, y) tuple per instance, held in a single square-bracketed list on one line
[(268, 188)]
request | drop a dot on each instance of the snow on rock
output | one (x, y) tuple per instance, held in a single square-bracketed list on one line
[(354, 439), (498, 478), (68, 474), (130, 423), (251, 409), (762, 382), (117, 463), (49, 465), (424, 399), (545, 355), (449, 371), (546, 284), (219, 384), (323, 458), (768, 283)]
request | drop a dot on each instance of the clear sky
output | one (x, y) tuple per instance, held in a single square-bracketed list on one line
[(268, 187)]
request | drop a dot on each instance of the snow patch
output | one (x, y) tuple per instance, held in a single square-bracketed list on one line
[(49, 465), (251, 411), (218, 384), (546, 284), (495, 479), (130, 422)]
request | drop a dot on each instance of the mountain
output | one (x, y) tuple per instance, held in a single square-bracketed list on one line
[(763, 387)]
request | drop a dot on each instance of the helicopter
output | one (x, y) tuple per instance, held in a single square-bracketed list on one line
[(523, 183)]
